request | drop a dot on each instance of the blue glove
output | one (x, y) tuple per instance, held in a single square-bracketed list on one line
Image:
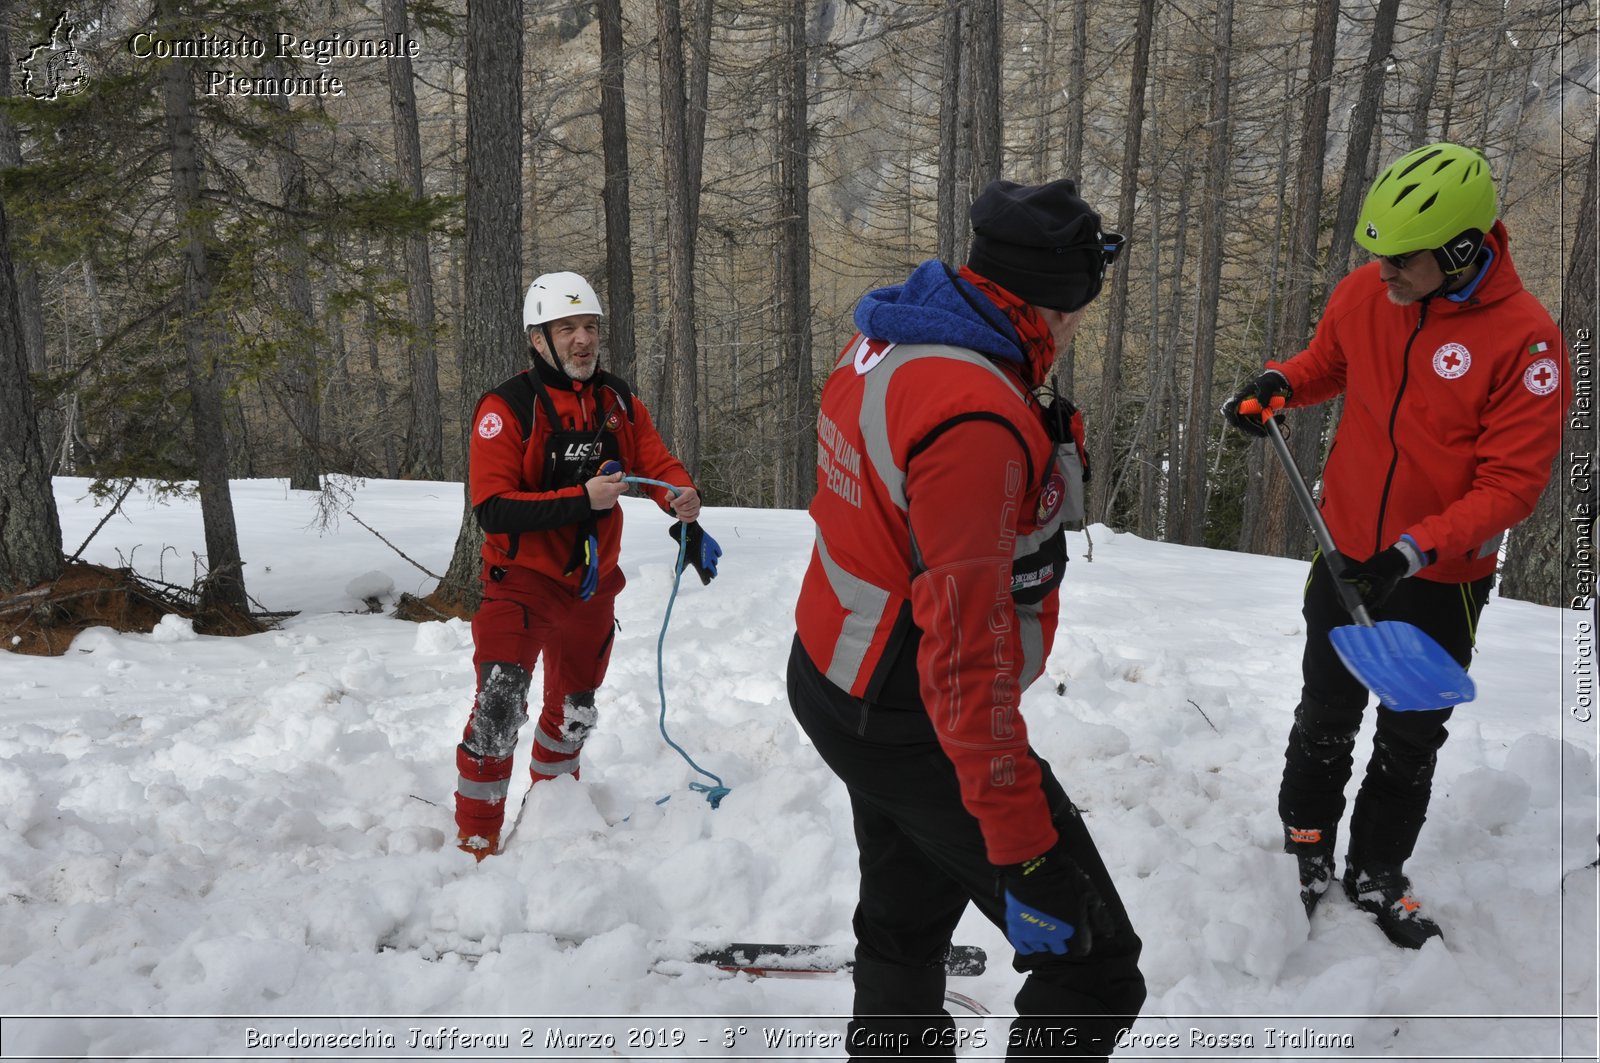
[(1037, 891), (701, 550), (591, 568)]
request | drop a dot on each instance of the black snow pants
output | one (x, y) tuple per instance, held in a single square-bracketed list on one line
[(923, 860), (1393, 800)]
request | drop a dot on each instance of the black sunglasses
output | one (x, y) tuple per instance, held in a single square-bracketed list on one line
[(1110, 249), (1399, 261)]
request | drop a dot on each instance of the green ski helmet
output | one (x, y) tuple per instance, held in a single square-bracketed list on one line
[(1439, 198)]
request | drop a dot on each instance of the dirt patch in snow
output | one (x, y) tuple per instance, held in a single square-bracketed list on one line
[(44, 621)]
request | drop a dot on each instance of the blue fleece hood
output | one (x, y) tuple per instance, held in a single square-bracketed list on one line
[(936, 306)]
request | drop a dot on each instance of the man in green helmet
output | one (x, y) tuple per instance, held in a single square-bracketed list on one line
[(1454, 381)]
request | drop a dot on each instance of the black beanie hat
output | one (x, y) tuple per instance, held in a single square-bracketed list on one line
[(1039, 242)]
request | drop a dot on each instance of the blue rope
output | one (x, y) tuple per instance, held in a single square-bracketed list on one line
[(716, 793)]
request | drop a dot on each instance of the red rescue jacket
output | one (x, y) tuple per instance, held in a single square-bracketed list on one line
[(934, 581), (527, 482), (1452, 414)]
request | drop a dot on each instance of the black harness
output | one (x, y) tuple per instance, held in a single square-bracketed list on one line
[(571, 455)]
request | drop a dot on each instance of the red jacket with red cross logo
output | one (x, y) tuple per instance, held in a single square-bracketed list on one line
[(536, 439), (934, 582), (1453, 413)]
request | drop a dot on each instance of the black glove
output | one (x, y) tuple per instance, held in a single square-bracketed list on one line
[(1377, 577), (1270, 391), (1063, 422), (1051, 905), (702, 550)]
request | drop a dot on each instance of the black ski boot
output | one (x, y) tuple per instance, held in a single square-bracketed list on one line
[(1313, 849), (1385, 892)]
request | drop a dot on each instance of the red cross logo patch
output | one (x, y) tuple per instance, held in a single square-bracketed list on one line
[(1050, 497), (1542, 377), (489, 425), (1452, 360)]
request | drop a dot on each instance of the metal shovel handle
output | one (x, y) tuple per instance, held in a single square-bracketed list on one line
[(1319, 527)]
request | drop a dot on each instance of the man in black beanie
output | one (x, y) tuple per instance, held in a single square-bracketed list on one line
[(943, 490)]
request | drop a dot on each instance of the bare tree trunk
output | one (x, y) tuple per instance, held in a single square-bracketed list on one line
[(493, 351), (1077, 84), (1213, 227), (30, 529), (952, 221), (74, 451), (615, 193), (988, 124), (380, 394), (425, 441), (1363, 131), (30, 308), (1111, 374), (224, 584), (696, 94), (1279, 529), (682, 353), (1256, 458), (300, 374), (794, 258), (1550, 559), (1147, 446), (1417, 122)]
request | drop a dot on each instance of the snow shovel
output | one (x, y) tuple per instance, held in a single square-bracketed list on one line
[(1396, 661)]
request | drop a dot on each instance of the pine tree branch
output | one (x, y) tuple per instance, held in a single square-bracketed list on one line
[(393, 547)]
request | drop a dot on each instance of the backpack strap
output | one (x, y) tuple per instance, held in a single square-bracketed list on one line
[(520, 393), (619, 387)]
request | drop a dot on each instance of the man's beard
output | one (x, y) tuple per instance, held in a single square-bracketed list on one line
[(578, 372)]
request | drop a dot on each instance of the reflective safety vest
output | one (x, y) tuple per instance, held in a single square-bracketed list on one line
[(855, 601), (883, 405)]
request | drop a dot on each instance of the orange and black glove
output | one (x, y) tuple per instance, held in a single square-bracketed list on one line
[(1246, 411)]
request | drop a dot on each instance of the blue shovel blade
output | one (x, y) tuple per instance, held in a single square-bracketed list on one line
[(1404, 667)]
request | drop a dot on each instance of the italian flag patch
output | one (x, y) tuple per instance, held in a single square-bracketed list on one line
[(1539, 348)]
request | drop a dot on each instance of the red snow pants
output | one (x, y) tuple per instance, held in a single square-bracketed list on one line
[(525, 614)]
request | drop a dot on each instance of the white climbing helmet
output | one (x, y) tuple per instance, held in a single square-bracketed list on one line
[(557, 295)]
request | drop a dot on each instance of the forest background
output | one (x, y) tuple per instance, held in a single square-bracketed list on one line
[(318, 284)]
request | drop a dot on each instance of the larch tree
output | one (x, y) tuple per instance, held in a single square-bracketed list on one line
[(1104, 434), (1214, 229), (424, 449), (30, 529), (616, 192), (1279, 529), (1550, 559), (794, 258), (492, 341), (199, 329), (682, 429)]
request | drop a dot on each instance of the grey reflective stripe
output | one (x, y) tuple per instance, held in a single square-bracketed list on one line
[(1027, 544), (874, 406), (863, 605), (1030, 636), (1491, 547), (562, 767), (556, 745), (482, 791)]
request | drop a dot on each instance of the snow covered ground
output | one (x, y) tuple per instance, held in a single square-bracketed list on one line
[(258, 829)]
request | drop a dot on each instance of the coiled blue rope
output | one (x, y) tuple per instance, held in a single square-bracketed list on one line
[(714, 794)]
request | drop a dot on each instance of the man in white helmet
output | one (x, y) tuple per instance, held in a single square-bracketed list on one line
[(549, 449)]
